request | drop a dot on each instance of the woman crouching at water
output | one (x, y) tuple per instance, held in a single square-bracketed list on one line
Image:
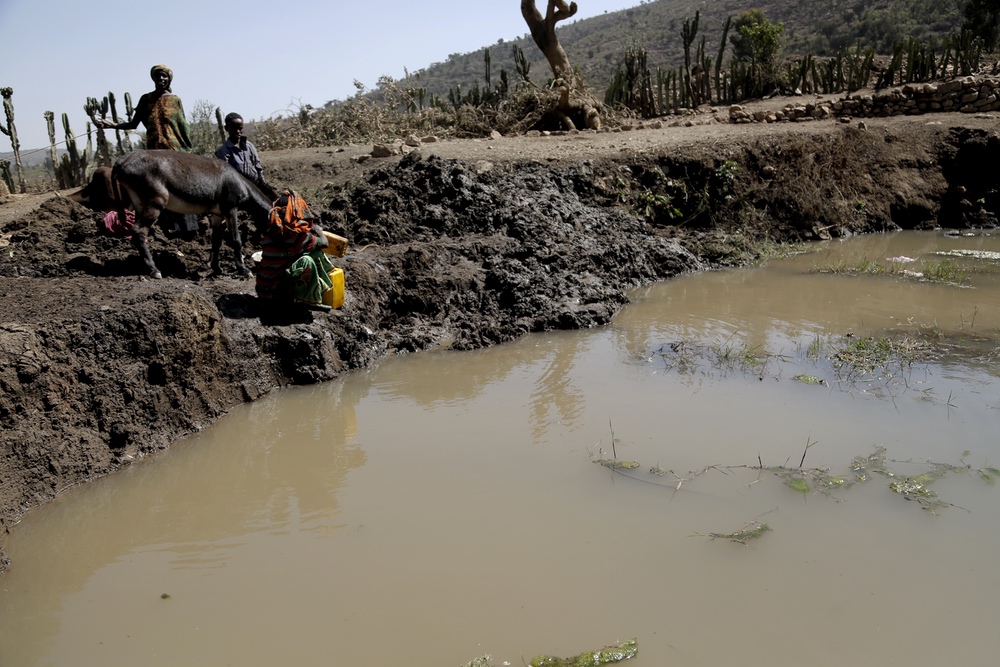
[(293, 266)]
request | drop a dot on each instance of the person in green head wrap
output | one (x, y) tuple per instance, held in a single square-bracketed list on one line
[(160, 112)]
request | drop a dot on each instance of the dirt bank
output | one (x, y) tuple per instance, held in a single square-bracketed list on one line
[(459, 244)]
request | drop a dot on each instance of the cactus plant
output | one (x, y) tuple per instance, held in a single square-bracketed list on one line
[(718, 60), (92, 108), (220, 124), (5, 178), (74, 165), (11, 131), (126, 145), (53, 155), (521, 63)]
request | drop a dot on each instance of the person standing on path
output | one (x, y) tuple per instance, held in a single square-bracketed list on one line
[(162, 114), (240, 152)]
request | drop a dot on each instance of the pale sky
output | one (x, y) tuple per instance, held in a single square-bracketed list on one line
[(259, 58)]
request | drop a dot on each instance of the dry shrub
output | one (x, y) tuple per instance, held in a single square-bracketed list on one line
[(366, 119)]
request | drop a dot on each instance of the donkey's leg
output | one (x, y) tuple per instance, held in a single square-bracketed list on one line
[(140, 233), (233, 222), (216, 244)]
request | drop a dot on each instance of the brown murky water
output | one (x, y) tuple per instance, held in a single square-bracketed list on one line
[(443, 506)]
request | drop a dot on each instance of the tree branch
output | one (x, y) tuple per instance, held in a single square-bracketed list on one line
[(558, 11)]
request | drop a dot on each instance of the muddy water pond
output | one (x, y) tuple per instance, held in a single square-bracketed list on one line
[(444, 506)]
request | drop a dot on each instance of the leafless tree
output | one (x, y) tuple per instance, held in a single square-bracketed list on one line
[(573, 101)]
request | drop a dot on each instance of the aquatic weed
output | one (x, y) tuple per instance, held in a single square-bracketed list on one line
[(822, 480), (866, 355), (751, 531), (944, 272), (609, 654)]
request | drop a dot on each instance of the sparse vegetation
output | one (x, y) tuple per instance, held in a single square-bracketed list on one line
[(207, 133), (857, 357), (604, 656), (876, 365), (75, 165), (944, 271), (598, 45), (751, 531), (822, 481), (729, 356), (366, 119), (650, 60), (10, 130), (982, 18), (756, 45)]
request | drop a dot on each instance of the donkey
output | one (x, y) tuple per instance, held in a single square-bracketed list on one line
[(157, 180)]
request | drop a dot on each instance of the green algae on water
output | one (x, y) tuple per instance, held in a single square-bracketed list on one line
[(989, 475), (618, 465), (913, 486), (752, 531), (798, 484), (605, 656)]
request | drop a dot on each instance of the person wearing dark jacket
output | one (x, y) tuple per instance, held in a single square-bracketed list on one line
[(239, 151)]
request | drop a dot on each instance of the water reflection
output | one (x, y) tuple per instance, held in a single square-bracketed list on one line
[(554, 397), (782, 308), (256, 472)]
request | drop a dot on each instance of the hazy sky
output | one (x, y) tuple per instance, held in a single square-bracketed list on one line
[(259, 58)]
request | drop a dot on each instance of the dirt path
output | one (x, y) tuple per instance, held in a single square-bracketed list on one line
[(460, 244)]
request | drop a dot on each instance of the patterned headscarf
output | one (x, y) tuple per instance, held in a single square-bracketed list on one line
[(292, 212), (166, 70)]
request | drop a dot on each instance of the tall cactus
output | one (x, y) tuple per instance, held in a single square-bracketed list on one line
[(129, 110), (74, 165), (702, 67), (92, 108), (488, 61), (521, 63), (5, 178), (968, 52), (11, 131), (221, 125), (718, 60), (126, 146), (688, 33), (859, 68), (53, 155)]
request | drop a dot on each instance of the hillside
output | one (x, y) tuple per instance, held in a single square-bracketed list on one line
[(595, 45)]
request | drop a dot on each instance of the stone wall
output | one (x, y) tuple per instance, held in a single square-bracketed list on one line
[(972, 94)]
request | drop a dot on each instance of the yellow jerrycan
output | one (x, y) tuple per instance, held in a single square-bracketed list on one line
[(334, 297)]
